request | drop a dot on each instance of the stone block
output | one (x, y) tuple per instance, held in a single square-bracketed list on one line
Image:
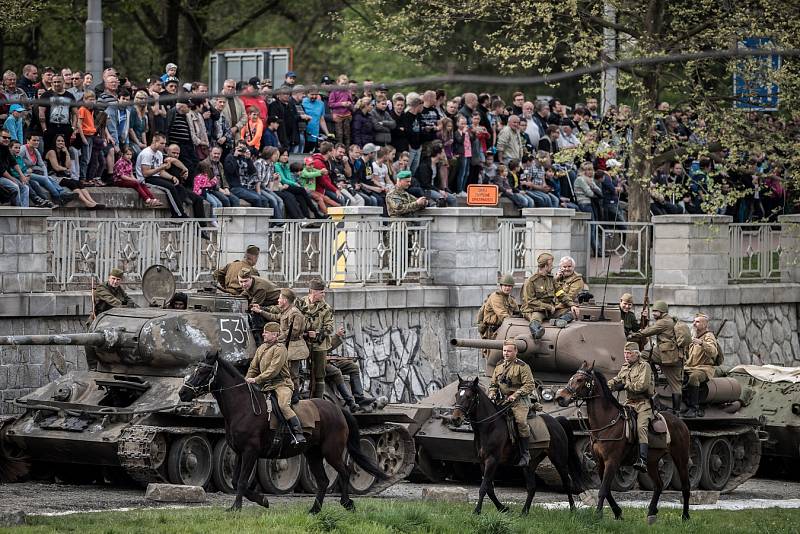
[(12, 518), (415, 297), (435, 297), (376, 298), (461, 297), (32, 225), (356, 299), (670, 277), (703, 497), (395, 297), (8, 225), (17, 244), (16, 283), (8, 262), (33, 263), (40, 244), (174, 493), (453, 494)]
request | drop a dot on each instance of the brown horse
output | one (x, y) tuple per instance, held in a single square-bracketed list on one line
[(494, 447), (610, 447), (248, 433)]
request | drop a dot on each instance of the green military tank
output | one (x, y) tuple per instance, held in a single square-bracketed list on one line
[(122, 419), (726, 446)]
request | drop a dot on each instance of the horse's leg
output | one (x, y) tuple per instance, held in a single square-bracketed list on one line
[(490, 488), (530, 483), (658, 487), (244, 466), (489, 469), (314, 459), (252, 494), (607, 472), (337, 463), (681, 460), (559, 459)]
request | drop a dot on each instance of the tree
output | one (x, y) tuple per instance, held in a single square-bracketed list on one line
[(524, 36)]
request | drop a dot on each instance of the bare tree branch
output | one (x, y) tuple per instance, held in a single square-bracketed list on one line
[(244, 23)]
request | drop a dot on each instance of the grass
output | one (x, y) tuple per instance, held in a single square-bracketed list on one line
[(382, 516)]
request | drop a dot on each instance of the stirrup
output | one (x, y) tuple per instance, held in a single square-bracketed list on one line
[(640, 465), (298, 438)]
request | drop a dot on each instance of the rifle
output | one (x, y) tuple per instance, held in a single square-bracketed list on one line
[(289, 335), (644, 318), (721, 326)]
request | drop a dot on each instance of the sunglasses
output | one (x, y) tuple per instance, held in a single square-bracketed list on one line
[(5, 137)]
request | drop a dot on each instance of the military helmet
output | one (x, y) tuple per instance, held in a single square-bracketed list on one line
[(661, 306), (507, 280)]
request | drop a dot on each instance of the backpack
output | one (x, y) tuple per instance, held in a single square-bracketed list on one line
[(683, 336), (720, 356)]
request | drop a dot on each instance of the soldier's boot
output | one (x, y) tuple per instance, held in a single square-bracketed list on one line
[(347, 397), (358, 390), (537, 330), (524, 455), (563, 321), (692, 399), (641, 463), (319, 390), (676, 403), (295, 397), (297, 430)]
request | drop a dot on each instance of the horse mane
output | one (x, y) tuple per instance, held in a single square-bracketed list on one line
[(602, 383), (229, 367)]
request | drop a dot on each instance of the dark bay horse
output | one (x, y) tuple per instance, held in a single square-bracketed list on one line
[(494, 447), (247, 432), (610, 446)]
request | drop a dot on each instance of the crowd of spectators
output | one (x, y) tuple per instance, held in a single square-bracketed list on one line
[(64, 132)]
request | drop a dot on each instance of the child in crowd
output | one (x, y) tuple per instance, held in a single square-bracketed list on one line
[(265, 169), (489, 170), (501, 179), (308, 179), (123, 177)]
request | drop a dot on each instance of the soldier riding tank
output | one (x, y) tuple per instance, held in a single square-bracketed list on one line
[(123, 416), (725, 447)]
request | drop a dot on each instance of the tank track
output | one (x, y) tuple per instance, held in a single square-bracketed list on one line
[(406, 457), (746, 452), (142, 450)]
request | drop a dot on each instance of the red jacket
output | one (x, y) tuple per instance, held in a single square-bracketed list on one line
[(257, 101), (324, 182)]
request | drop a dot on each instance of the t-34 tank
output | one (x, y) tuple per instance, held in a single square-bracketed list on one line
[(725, 446), (124, 417)]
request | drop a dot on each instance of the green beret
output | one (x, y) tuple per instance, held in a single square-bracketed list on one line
[(116, 273), (272, 327), (403, 175)]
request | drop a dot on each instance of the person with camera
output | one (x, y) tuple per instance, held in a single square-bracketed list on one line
[(399, 202), (425, 176), (238, 169)]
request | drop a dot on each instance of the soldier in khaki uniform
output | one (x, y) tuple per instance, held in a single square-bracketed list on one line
[(665, 352), (513, 378), (539, 295), (497, 307), (636, 379), (258, 290), (228, 277), (568, 285), (319, 330), (111, 295), (399, 201), (700, 363), (270, 370), (629, 320), (289, 315)]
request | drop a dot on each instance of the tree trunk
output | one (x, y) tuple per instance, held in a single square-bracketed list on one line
[(196, 47), (168, 43)]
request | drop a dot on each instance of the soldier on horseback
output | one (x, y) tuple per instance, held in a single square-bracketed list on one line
[(270, 370), (636, 378), (514, 379)]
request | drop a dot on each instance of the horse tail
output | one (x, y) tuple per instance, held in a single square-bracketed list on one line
[(573, 460), (354, 448)]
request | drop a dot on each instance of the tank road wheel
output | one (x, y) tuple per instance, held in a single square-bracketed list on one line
[(717, 464), (360, 480), (391, 450), (280, 475), (189, 462), (666, 468), (624, 479), (223, 461), (307, 481), (588, 463), (695, 466)]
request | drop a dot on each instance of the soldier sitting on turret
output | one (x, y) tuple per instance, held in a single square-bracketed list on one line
[(270, 370), (636, 379), (700, 364), (539, 295), (227, 277), (514, 379), (497, 307), (111, 295), (568, 285)]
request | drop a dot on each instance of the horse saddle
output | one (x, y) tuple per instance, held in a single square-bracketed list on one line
[(306, 411), (657, 431), (539, 434)]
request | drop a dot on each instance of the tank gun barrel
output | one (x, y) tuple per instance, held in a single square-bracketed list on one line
[(521, 344), (107, 339)]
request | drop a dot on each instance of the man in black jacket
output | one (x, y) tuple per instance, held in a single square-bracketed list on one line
[(287, 113), (422, 183), (237, 168)]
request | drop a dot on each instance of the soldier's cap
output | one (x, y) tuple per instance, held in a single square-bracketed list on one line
[(272, 326), (288, 294), (245, 273), (626, 297), (316, 284), (509, 341), (403, 175), (631, 346), (701, 315), (507, 280), (116, 273), (252, 249), (543, 258)]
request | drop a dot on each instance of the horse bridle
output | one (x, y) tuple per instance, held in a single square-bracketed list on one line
[(205, 388), (589, 385), (472, 405)]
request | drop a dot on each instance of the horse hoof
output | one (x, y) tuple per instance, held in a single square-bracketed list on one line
[(263, 500), (314, 511), (524, 513), (685, 517), (503, 510), (618, 517), (476, 511), (233, 508), (651, 519), (350, 505)]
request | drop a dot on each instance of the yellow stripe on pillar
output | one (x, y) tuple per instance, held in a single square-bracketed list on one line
[(340, 257)]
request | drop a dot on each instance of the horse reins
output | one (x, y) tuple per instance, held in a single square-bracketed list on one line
[(199, 390), (584, 398), (472, 406)]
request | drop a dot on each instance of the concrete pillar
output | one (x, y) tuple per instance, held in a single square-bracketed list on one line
[(355, 245), (94, 39), (23, 262), (241, 227), (578, 240), (549, 230), (691, 250), (464, 245), (790, 248)]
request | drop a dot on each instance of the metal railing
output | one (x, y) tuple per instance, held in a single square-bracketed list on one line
[(516, 246), (343, 252), (619, 250), (756, 252)]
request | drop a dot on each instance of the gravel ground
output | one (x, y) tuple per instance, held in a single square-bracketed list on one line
[(40, 498)]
